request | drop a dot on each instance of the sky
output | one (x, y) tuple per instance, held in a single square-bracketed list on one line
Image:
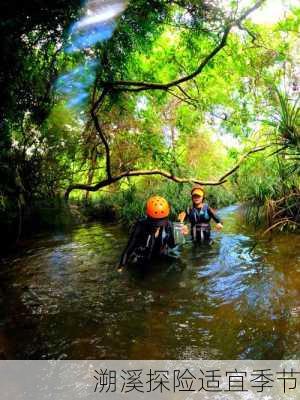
[(273, 11)]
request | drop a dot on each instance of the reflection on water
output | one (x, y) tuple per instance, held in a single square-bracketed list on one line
[(63, 298)]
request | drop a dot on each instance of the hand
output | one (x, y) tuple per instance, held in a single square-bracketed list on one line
[(120, 268), (181, 216), (184, 230), (219, 227)]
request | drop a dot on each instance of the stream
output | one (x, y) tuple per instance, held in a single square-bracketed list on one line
[(62, 298)]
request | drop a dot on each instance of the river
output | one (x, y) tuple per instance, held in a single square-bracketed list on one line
[(62, 298)]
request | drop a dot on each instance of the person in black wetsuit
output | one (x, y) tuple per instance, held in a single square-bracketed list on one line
[(151, 236), (199, 216)]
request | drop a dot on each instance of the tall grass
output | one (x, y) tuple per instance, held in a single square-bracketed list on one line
[(127, 204), (270, 184)]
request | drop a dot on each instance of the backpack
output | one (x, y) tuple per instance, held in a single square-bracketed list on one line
[(143, 253)]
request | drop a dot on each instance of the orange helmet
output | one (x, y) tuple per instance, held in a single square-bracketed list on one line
[(157, 207)]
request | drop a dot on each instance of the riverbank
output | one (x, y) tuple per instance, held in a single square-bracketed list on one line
[(125, 207)]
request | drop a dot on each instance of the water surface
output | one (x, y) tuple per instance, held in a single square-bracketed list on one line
[(61, 297)]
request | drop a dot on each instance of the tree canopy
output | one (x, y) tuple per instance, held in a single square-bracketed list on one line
[(185, 90)]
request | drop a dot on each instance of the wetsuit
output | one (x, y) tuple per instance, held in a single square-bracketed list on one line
[(143, 244), (200, 222)]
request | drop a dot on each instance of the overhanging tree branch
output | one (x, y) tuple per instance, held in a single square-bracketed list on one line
[(136, 86), (165, 174), (113, 179), (237, 166)]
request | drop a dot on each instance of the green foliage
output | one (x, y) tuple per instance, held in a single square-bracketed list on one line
[(45, 146), (128, 204), (33, 32), (287, 121), (264, 181), (271, 185)]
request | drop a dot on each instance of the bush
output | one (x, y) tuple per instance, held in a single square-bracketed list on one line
[(128, 204)]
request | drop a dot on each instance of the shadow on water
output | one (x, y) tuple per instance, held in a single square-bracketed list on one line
[(239, 298)]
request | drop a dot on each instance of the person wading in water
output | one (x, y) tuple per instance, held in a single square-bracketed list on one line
[(199, 216), (151, 236)]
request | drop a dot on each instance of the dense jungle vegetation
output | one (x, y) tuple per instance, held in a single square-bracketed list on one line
[(175, 92)]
